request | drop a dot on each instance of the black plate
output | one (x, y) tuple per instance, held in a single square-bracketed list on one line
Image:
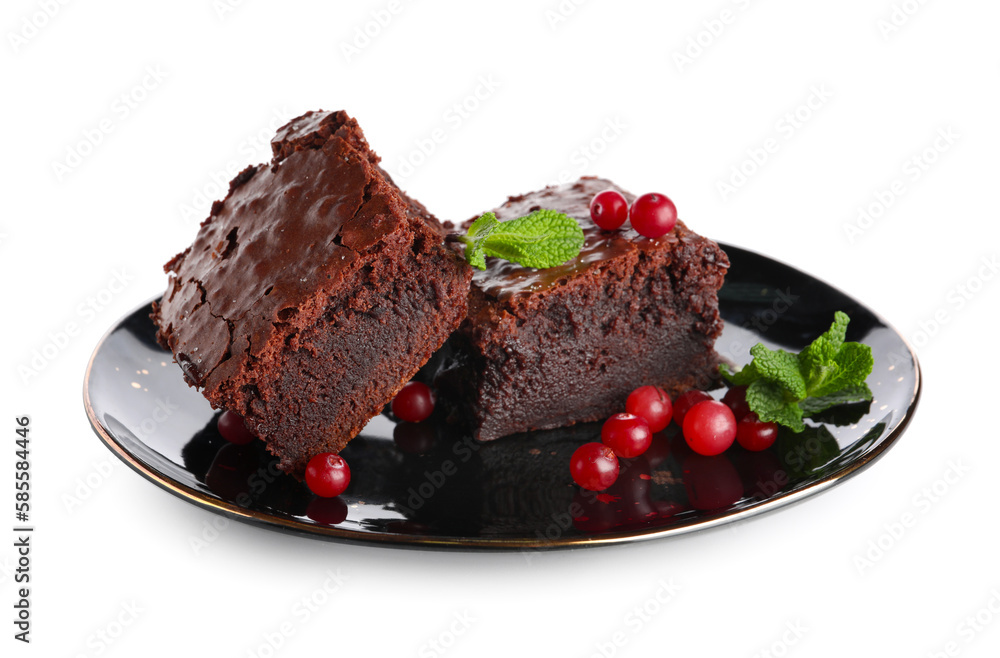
[(426, 485)]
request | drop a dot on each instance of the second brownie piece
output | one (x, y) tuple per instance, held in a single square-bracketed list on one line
[(548, 348)]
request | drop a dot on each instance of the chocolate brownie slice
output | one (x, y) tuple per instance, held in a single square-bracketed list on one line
[(547, 348), (312, 293)]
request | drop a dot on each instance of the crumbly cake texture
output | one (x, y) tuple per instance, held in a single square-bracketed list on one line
[(312, 293), (548, 348)]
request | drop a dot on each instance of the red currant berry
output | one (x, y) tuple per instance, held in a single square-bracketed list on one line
[(754, 435), (327, 475), (594, 466), (685, 401), (653, 215), (627, 434), (233, 429), (709, 428), (609, 209), (736, 399), (414, 403), (651, 403)]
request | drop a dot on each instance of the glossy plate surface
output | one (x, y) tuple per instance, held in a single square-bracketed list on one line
[(426, 485)]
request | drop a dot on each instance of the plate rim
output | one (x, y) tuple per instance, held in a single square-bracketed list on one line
[(403, 540)]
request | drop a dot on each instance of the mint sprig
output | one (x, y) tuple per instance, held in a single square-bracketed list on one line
[(783, 387), (545, 238)]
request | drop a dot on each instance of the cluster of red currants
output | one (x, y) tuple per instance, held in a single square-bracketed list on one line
[(594, 466), (651, 215), (709, 427)]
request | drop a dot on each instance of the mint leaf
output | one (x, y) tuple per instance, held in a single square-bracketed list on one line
[(838, 330), (779, 366), (815, 358), (853, 394), (782, 387), (856, 362), (743, 377), (768, 400), (851, 366), (479, 232), (545, 238), (482, 227)]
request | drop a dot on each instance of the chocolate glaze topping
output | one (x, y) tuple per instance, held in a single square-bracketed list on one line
[(232, 318), (502, 279)]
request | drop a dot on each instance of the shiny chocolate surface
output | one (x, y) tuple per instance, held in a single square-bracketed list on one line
[(503, 279)]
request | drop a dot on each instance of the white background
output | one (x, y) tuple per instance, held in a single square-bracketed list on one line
[(599, 77)]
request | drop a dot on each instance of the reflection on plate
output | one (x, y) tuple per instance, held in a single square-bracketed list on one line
[(429, 485)]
